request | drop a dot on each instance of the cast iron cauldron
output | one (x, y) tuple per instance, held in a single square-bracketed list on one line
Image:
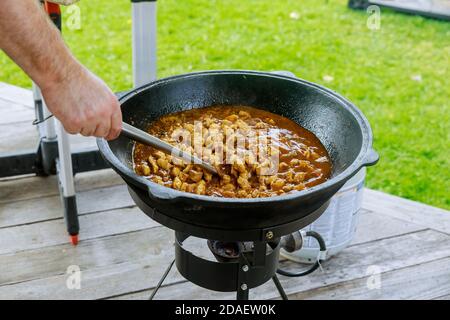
[(339, 125)]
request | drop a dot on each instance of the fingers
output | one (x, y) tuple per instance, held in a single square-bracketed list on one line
[(116, 125), (87, 131), (103, 128), (73, 126), (85, 105)]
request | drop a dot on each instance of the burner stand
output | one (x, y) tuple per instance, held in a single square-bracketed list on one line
[(253, 264)]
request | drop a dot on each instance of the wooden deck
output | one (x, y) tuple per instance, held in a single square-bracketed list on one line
[(122, 253)]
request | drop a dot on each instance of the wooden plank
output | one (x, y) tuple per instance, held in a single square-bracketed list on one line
[(52, 253), (407, 210), (48, 261), (17, 109), (18, 136), (17, 95), (122, 276), (38, 187), (13, 112), (50, 233), (22, 135), (89, 254), (372, 226), (446, 297), (48, 208), (352, 263), (421, 282)]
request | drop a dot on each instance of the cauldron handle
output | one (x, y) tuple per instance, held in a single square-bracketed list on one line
[(372, 158)]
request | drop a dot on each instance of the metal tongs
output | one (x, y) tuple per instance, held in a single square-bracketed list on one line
[(143, 137)]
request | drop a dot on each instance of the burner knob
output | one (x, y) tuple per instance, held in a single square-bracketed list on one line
[(292, 242)]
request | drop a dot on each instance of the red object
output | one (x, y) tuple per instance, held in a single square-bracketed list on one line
[(74, 239), (52, 8), (54, 12)]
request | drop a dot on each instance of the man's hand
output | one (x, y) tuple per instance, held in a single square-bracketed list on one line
[(80, 100), (84, 104)]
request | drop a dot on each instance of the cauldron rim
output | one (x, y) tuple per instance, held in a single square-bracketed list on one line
[(367, 155)]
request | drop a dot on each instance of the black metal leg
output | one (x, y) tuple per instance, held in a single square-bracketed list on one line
[(279, 287), (161, 280), (71, 215), (242, 294)]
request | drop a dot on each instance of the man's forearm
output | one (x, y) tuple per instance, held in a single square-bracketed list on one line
[(34, 43)]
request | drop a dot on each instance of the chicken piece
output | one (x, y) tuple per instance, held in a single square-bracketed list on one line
[(242, 125), (290, 176), (189, 127), (232, 117), (244, 114), (304, 164), (144, 169), (307, 154), (184, 186), (159, 154), (226, 179), (271, 121), (262, 167), (191, 187), (270, 179), (314, 155), (214, 126), (177, 183), (228, 194), (163, 163), (208, 121), (243, 183), (183, 176), (260, 125), (209, 141), (152, 162), (201, 187), (283, 166), (195, 176), (239, 166), (207, 176), (158, 180), (177, 161), (277, 184), (175, 172), (242, 193), (229, 187), (299, 177)]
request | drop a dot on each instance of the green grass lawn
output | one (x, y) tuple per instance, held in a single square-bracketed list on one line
[(399, 75)]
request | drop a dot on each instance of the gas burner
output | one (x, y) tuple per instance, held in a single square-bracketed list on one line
[(228, 251), (240, 266), (244, 258)]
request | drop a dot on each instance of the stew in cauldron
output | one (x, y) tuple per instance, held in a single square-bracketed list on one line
[(257, 153)]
